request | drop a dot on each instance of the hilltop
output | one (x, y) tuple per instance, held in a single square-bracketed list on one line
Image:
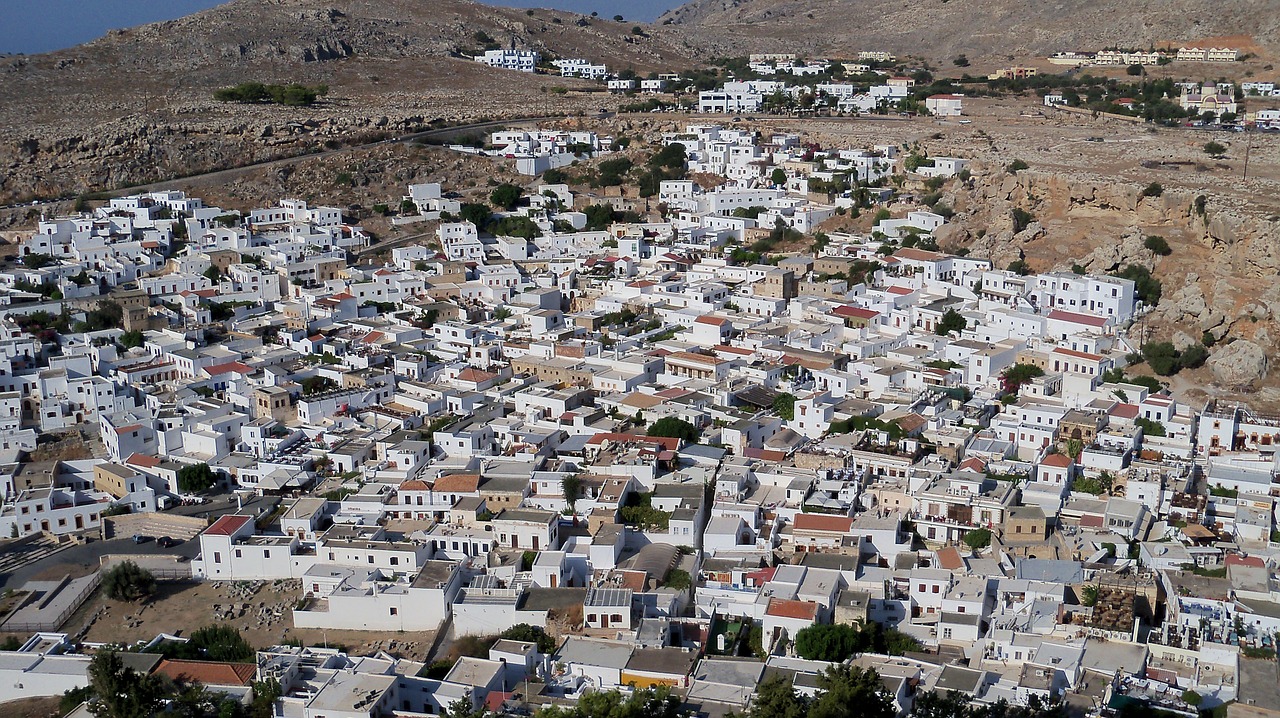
[(137, 105), (943, 29)]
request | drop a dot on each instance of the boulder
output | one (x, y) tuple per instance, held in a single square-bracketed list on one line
[(1240, 363)]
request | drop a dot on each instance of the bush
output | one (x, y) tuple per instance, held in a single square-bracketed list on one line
[(195, 478), (1147, 287), (678, 580), (951, 321), (293, 94), (670, 426), (1214, 149), (1021, 219), (1157, 244), (530, 634), (977, 538), (505, 196), (1016, 166), (1152, 190), (127, 581)]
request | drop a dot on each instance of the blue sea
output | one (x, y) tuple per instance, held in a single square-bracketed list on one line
[(33, 26)]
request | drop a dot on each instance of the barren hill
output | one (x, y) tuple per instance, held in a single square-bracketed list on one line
[(136, 105), (942, 29)]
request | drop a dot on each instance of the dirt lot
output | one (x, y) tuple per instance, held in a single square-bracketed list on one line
[(262, 611), (45, 707)]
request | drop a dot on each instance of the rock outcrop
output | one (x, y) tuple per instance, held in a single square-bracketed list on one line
[(1239, 364)]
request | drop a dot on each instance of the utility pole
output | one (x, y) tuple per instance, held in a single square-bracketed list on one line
[(1247, 147)]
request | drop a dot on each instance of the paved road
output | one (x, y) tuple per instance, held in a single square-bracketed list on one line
[(90, 554)]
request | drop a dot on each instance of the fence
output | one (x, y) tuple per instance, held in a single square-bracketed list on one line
[(56, 622)]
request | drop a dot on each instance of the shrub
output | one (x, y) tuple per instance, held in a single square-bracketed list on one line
[(977, 538), (505, 196), (1157, 244), (1021, 219), (670, 426), (1152, 190), (1214, 149), (127, 581), (1016, 166), (195, 478)]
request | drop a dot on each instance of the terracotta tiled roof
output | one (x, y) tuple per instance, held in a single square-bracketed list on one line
[(475, 375), (1057, 461), (822, 522), (208, 673), (458, 483), (783, 608), (1078, 318), (227, 525), (143, 460), (415, 485)]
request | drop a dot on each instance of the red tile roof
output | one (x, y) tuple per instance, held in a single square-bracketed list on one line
[(143, 460), (844, 310), (1078, 318), (475, 375), (415, 485), (458, 483), (233, 366), (1058, 461), (1124, 411), (784, 608), (822, 522), (713, 321), (228, 525), (949, 558), (208, 673), (1076, 354)]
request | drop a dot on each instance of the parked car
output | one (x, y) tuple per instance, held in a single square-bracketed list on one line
[(166, 542), (141, 538)]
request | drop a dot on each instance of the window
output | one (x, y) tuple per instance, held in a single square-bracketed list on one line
[(217, 557), (395, 561), (394, 610), (238, 553), (370, 558)]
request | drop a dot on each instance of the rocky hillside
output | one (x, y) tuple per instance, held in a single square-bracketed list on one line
[(1218, 280), (942, 29), (136, 105)]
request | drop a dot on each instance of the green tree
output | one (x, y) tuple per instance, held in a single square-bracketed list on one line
[(506, 196), (530, 634), (784, 405), (851, 692), (37, 260), (132, 339), (977, 538), (776, 697), (1016, 166), (475, 213), (599, 216), (670, 426), (952, 321), (121, 692), (195, 478), (1153, 190), (1214, 149), (127, 581), (779, 176), (643, 703), (221, 642), (1191, 698), (829, 642), (572, 485), (1017, 375)]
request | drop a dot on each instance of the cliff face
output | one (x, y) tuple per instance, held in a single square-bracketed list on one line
[(1220, 279)]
